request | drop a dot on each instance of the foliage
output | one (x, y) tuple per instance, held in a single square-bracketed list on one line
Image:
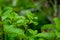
[(29, 20), (18, 26)]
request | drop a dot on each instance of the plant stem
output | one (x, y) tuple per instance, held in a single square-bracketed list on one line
[(2, 29)]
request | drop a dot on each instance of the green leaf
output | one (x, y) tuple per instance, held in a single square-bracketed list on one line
[(34, 32), (47, 26), (10, 29), (57, 23), (31, 38), (29, 15), (43, 35)]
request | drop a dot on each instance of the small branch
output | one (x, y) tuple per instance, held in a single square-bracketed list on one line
[(55, 8), (58, 11), (51, 3)]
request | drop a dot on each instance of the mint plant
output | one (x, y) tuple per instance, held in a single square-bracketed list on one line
[(15, 25), (40, 22)]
